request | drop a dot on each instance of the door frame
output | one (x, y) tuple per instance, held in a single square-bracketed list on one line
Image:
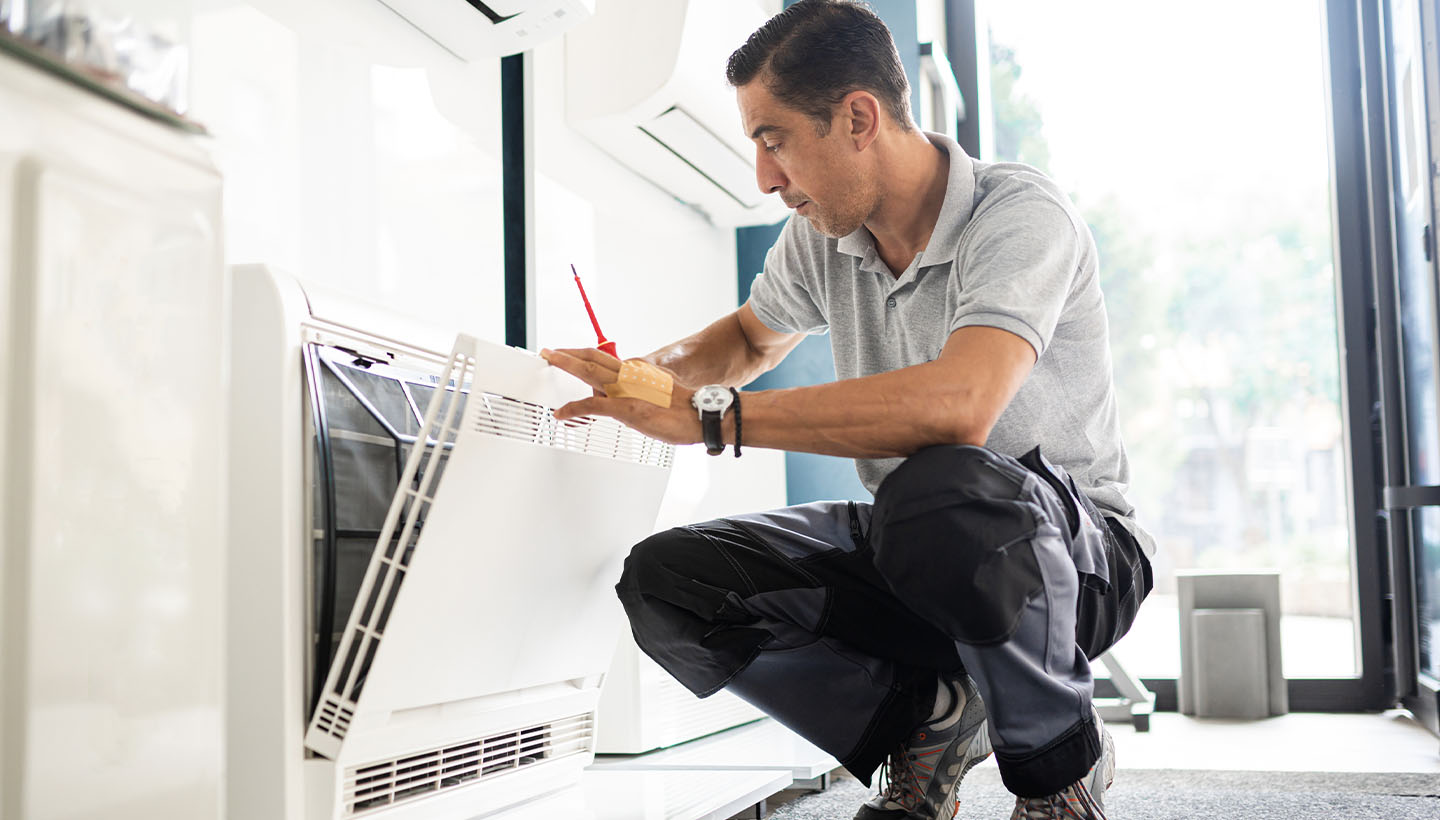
[(1365, 216), (1417, 691)]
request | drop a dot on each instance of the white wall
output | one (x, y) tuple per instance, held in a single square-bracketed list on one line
[(359, 154), (655, 271)]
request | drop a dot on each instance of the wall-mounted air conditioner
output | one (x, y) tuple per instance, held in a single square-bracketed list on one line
[(476, 29), (645, 81), (421, 606)]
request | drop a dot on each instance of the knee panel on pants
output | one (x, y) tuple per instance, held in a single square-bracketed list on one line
[(952, 533)]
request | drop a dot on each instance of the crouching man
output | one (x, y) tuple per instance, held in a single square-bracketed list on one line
[(957, 615)]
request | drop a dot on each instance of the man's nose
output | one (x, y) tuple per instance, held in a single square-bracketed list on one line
[(767, 172)]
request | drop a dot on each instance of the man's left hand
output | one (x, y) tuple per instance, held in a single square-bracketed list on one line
[(677, 424)]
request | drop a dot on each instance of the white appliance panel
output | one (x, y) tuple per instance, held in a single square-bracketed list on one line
[(488, 498), (115, 458), (503, 625)]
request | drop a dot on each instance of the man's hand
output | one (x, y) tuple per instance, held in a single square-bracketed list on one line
[(677, 424)]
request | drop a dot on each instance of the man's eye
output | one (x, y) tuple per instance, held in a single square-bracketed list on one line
[(772, 148)]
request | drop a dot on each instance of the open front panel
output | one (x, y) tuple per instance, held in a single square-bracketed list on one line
[(366, 417), (510, 588)]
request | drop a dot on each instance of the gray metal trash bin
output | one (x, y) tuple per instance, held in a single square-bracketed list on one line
[(1230, 664)]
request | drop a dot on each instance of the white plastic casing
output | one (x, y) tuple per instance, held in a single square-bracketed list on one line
[(645, 81), (506, 618), (112, 532)]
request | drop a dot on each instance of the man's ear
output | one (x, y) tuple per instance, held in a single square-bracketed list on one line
[(860, 114)]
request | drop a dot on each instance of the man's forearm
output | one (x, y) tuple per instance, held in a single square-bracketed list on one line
[(719, 354), (887, 415)]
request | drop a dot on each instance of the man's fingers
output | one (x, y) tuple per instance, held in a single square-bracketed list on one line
[(593, 406), (574, 409), (596, 373), (623, 410), (593, 355)]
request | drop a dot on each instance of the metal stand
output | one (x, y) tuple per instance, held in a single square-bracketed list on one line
[(1135, 703)]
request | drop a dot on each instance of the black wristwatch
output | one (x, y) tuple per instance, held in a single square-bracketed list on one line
[(712, 401)]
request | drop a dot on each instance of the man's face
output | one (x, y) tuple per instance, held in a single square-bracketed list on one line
[(823, 178)]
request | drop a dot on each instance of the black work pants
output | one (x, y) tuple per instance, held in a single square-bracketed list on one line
[(836, 618)]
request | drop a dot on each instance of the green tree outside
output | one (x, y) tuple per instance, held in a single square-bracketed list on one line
[(1222, 333)]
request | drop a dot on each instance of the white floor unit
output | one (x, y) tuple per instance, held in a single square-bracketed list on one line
[(761, 746), (445, 650), (112, 460), (643, 707), (655, 795)]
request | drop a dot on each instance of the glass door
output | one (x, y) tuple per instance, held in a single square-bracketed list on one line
[(1195, 143), (1412, 424)]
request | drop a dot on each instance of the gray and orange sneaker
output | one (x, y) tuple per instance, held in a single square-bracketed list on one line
[(920, 778), (1082, 800)]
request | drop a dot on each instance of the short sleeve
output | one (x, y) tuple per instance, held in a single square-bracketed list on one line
[(1015, 269), (784, 296)]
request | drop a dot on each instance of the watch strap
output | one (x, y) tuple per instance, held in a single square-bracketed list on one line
[(712, 432), (735, 407)]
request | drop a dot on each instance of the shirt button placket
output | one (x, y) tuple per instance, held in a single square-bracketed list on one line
[(890, 302)]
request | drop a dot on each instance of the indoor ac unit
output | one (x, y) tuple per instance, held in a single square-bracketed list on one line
[(421, 564), (643, 707), (476, 29), (645, 81)]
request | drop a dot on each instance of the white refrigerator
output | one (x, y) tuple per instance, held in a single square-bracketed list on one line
[(112, 458)]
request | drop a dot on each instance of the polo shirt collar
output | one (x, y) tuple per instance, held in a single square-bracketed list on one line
[(955, 211), (956, 208)]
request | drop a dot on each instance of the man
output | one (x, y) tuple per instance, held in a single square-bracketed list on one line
[(956, 615)]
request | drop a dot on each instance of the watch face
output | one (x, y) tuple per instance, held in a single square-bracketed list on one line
[(712, 398)]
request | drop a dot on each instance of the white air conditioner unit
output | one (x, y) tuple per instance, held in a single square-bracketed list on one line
[(643, 707), (476, 29), (645, 81), (421, 606)]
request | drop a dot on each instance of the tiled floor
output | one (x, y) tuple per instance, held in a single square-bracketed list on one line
[(1384, 742)]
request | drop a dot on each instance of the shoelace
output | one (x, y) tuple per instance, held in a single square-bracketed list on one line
[(1074, 803), (902, 784)]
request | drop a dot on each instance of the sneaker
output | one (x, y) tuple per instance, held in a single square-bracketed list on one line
[(920, 778), (1083, 800)]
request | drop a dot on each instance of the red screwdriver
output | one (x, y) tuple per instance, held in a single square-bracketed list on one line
[(601, 342)]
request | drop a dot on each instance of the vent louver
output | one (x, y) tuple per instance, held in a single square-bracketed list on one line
[(423, 774), (533, 423)]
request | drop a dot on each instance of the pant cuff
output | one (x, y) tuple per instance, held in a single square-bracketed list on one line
[(906, 708), (1057, 765)]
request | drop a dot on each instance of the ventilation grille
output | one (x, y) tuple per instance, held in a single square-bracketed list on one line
[(334, 719), (524, 421), (386, 573), (386, 783)]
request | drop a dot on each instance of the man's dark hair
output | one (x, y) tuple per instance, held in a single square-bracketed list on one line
[(815, 52)]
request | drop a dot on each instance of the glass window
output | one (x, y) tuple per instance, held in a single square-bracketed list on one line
[(1194, 140)]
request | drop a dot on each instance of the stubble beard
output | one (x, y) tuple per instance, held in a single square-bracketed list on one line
[(848, 215)]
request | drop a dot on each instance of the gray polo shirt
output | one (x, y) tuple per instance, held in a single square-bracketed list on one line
[(1009, 251)]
